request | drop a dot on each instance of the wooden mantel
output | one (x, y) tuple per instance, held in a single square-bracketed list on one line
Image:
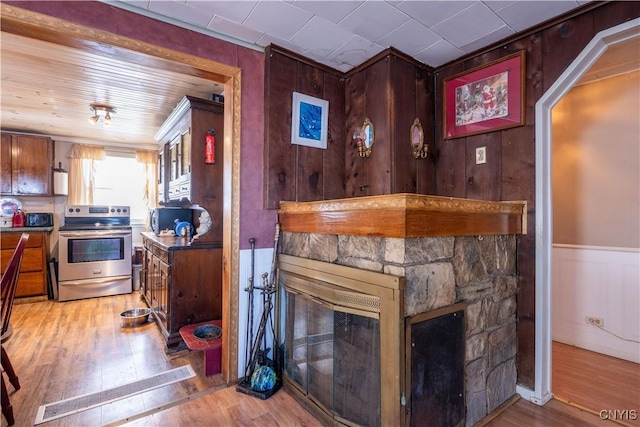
[(404, 215)]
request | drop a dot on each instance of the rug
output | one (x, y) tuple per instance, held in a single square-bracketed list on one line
[(73, 405)]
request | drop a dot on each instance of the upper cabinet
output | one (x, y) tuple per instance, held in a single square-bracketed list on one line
[(27, 165), (187, 176)]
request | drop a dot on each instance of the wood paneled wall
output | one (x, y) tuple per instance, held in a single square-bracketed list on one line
[(509, 173), (295, 172), (392, 90)]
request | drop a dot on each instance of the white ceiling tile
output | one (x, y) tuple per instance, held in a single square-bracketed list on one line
[(432, 13), (332, 11), (356, 51), (373, 20), (321, 36), (267, 39), (277, 18), (233, 29), (497, 4), (421, 37), (477, 20), (525, 14), (326, 61), (236, 11), (499, 34), (439, 53), (181, 12)]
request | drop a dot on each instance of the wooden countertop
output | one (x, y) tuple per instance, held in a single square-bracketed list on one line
[(404, 215), (173, 243)]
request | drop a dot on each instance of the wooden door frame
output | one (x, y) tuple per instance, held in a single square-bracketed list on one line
[(44, 27)]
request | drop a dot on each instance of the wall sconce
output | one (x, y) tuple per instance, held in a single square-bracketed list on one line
[(419, 148), (363, 138), (101, 111)]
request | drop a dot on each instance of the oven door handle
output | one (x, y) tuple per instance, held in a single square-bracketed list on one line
[(94, 281), (89, 233)]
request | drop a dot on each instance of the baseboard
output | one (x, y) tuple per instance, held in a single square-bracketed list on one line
[(528, 394)]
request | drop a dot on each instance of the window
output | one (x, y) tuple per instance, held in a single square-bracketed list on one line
[(120, 180)]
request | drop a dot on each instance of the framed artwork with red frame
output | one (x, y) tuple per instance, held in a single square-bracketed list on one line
[(485, 99)]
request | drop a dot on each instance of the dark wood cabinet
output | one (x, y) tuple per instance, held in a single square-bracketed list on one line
[(33, 279), (184, 178), (27, 165), (181, 283)]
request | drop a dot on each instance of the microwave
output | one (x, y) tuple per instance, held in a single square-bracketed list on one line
[(165, 218), (38, 220)]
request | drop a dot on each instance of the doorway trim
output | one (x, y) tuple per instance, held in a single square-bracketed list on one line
[(542, 392), (49, 28)]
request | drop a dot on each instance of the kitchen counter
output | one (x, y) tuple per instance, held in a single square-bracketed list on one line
[(177, 242), (24, 229)]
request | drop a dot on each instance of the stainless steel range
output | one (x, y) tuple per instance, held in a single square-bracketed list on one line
[(94, 252)]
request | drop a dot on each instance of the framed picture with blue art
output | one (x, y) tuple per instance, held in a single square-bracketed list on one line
[(309, 121)]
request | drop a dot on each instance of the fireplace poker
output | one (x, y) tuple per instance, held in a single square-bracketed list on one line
[(249, 337)]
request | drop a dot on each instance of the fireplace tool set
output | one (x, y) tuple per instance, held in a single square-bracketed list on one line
[(261, 374)]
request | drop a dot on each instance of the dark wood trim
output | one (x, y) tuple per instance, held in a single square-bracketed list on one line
[(273, 48), (388, 52)]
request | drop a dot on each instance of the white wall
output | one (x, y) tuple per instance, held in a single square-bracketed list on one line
[(596, 216), (596, 164), (598, 282)]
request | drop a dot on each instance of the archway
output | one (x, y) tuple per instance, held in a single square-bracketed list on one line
[(542, 392)]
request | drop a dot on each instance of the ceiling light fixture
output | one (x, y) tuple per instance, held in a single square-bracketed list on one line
[(101, 111)]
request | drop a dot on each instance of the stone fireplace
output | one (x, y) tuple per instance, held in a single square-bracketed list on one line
[(441, 258)]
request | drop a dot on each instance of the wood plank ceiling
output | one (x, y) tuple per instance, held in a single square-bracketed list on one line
[(48, 88)]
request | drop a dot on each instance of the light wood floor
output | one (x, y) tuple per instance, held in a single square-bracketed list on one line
[(61, 350)]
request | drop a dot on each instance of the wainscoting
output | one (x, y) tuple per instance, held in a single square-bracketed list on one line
[(597, 282)]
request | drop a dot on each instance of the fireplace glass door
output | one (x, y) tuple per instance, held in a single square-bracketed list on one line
[(332, 356)]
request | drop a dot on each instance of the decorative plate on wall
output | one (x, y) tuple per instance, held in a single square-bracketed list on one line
[(8, 206)]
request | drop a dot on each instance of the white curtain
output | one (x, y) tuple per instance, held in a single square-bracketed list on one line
[(149, 159), (82, 169)]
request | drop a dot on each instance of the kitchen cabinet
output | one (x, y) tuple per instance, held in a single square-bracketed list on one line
[(184, 178), (27, 165), (181, 283), (33, 279)]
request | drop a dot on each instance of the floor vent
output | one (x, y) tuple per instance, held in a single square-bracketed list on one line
[(73, 405)]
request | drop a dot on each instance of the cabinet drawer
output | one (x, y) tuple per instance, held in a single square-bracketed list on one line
[(161, 253), (9, 240), (31, 284), (31, 259)]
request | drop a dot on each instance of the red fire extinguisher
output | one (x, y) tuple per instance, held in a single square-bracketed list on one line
[(210, 147)]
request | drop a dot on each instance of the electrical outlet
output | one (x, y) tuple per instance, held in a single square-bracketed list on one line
[(596, 321), (481, 155)]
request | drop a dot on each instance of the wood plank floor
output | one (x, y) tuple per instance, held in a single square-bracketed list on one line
[(61, 350), (596, 381)]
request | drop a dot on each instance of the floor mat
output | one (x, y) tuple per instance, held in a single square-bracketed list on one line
[(66, 407)]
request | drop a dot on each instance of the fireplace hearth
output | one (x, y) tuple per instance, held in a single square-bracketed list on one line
[(454, 261)]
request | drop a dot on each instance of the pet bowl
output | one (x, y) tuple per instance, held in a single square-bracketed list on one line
[(207, 332), (135, 316)]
